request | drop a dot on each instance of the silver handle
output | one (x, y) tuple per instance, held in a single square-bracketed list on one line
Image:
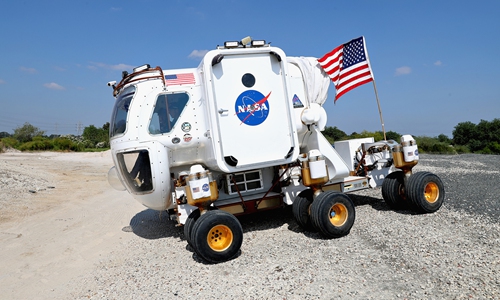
[(221, 111)]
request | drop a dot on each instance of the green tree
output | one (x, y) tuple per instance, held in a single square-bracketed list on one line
[(334, 134), (106, 126), (482, 138), (392, 135), (443, 138), (377, 135), (464, 132), (96, 135), (27, 132)]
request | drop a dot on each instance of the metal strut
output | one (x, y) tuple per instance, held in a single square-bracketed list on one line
[(239, 194), (272, 187)]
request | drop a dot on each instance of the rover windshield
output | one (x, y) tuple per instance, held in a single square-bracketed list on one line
[(120, 112)]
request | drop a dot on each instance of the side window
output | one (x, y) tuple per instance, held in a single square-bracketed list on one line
[(120, 112), (168, 108)]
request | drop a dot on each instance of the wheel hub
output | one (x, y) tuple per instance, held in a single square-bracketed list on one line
[(431, 192), (219, 238), (338, 214)]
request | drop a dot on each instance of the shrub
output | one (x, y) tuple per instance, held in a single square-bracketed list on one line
[(491, 148), (65, 144), (10, 142), (37, 144), (433, 145), (61, 144), (461, 149)]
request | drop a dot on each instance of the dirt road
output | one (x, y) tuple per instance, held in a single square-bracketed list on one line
[(59, 216)]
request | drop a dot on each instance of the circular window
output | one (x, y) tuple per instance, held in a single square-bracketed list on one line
[(248, 80)]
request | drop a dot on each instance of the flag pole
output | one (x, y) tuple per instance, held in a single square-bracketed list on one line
[(379, 109)]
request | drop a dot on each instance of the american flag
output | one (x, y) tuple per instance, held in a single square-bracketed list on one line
[(178, 79), (348, 66)]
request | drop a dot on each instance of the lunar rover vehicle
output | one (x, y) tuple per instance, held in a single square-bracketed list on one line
[(241, 133)]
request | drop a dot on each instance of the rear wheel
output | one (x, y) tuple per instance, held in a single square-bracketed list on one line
[(426, 191), (217, 236), (393, 190), (333, 214), (301, 209)]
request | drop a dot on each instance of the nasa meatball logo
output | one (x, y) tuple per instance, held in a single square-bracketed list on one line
[(252, 107)]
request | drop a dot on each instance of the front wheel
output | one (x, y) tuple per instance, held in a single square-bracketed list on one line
[(333, 214), (217, 236), (426, 191), (188, 226), (301, 209)]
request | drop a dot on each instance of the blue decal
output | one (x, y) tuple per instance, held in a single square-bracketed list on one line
[(205, 187), (252, 107), (296, 102)]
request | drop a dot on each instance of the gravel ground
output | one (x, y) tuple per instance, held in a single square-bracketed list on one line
[(451, 254), (471, 181)]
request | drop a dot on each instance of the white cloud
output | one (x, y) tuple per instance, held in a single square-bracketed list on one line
[(119, 67), (53, 86), (403, 71), (438, 63), (28, 70), (198, 53)]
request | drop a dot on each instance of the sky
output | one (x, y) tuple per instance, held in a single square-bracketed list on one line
[(435, 63)]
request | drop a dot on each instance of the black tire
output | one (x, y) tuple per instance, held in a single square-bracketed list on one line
[(217, 236), (301, 209), (393, 190), (333, 214), (425, 190), (188, 226)]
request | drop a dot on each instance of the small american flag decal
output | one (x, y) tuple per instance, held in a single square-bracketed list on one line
[(178, 79)]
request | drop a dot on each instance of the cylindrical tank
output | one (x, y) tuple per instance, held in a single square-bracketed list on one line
[(314, 169), (200, 187), (410, 149)]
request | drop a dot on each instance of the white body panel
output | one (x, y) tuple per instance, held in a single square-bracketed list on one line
[(347, 149), (246, 120)]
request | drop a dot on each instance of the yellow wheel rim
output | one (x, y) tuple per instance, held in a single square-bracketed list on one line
[(219, 238), (431, 192), (338, 214)]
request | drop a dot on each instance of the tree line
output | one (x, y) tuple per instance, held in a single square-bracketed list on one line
[(482, 138), (30, 138)]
